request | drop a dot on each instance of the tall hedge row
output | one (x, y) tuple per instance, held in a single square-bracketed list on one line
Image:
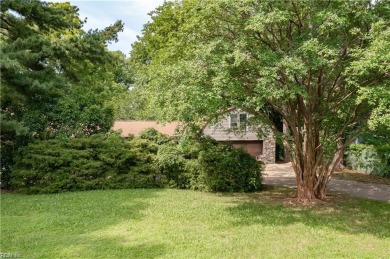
[(95, 162), (152, 161)]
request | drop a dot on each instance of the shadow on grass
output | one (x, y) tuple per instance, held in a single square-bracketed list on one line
[(64, 225), (349, 215), (113, 248)]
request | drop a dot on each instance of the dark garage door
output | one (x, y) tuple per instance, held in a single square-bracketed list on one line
[(254, 148)]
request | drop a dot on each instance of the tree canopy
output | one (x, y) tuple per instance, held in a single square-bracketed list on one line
[(323, 66), (56, 79)]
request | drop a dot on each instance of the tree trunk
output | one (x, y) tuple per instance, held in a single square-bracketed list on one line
[(311, 187), (320, 191), (313, 155), (339, 158), (287, 148), (311, 167), (306, 192)]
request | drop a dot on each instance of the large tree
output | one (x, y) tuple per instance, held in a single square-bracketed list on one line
[(56, 79), (303, 60)]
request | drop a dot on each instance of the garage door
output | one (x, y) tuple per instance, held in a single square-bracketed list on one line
[(254, 148)]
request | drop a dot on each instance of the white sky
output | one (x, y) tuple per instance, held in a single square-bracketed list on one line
[(102, 13)]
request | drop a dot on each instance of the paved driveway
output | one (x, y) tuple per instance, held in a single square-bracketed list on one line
[(283, 174)]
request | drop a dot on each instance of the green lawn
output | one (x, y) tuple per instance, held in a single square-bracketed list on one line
[(189, 224)]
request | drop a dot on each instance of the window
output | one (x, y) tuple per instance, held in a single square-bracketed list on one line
[(238, 120), (234, 120), (243, 117)]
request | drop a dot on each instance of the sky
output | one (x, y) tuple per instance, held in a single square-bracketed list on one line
[(102, 13)]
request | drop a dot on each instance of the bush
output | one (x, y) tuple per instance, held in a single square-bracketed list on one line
[(372, 159), (225, 168), (172, 165), (212, 166), (95, 162), (201, 163), (110, 162)]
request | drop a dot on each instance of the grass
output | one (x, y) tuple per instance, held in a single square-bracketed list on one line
[(189, 224), (352, 175)]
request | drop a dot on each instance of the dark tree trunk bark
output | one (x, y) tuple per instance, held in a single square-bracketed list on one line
[(312, 169), (320, 192), (313, 172), (286, 146), (310, 187), (305, 188), (310, 139)]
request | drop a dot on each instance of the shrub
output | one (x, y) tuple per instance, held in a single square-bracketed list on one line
[(110, 162), (171, 164), (213, 166), (201, 163), (226, 168), (95, 162), (373, 159)]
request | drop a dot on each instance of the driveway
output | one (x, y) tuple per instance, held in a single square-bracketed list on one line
[(283, 174)]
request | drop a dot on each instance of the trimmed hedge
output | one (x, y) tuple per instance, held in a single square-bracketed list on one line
[(110, 162), (95, 162)]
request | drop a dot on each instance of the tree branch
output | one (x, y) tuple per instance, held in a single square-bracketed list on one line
[(334, 85), (269, 45)]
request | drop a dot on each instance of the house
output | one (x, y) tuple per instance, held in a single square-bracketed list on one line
[(231, 128)]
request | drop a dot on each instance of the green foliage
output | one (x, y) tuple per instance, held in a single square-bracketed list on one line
[(129, 105), (56, 79), (373, 159), (321, 65), (95, 162), (155, 136), (109, 162), (201, 163), (374, 62), (172, 164), (225, 168), (228, 169), (373, 155)]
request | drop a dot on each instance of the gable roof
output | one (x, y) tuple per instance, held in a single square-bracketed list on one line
[(136, 127)]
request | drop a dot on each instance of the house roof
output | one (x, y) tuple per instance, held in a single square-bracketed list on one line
[(136, 127)]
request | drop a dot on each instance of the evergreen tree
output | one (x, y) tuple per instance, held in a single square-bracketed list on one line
[(56, 79)]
